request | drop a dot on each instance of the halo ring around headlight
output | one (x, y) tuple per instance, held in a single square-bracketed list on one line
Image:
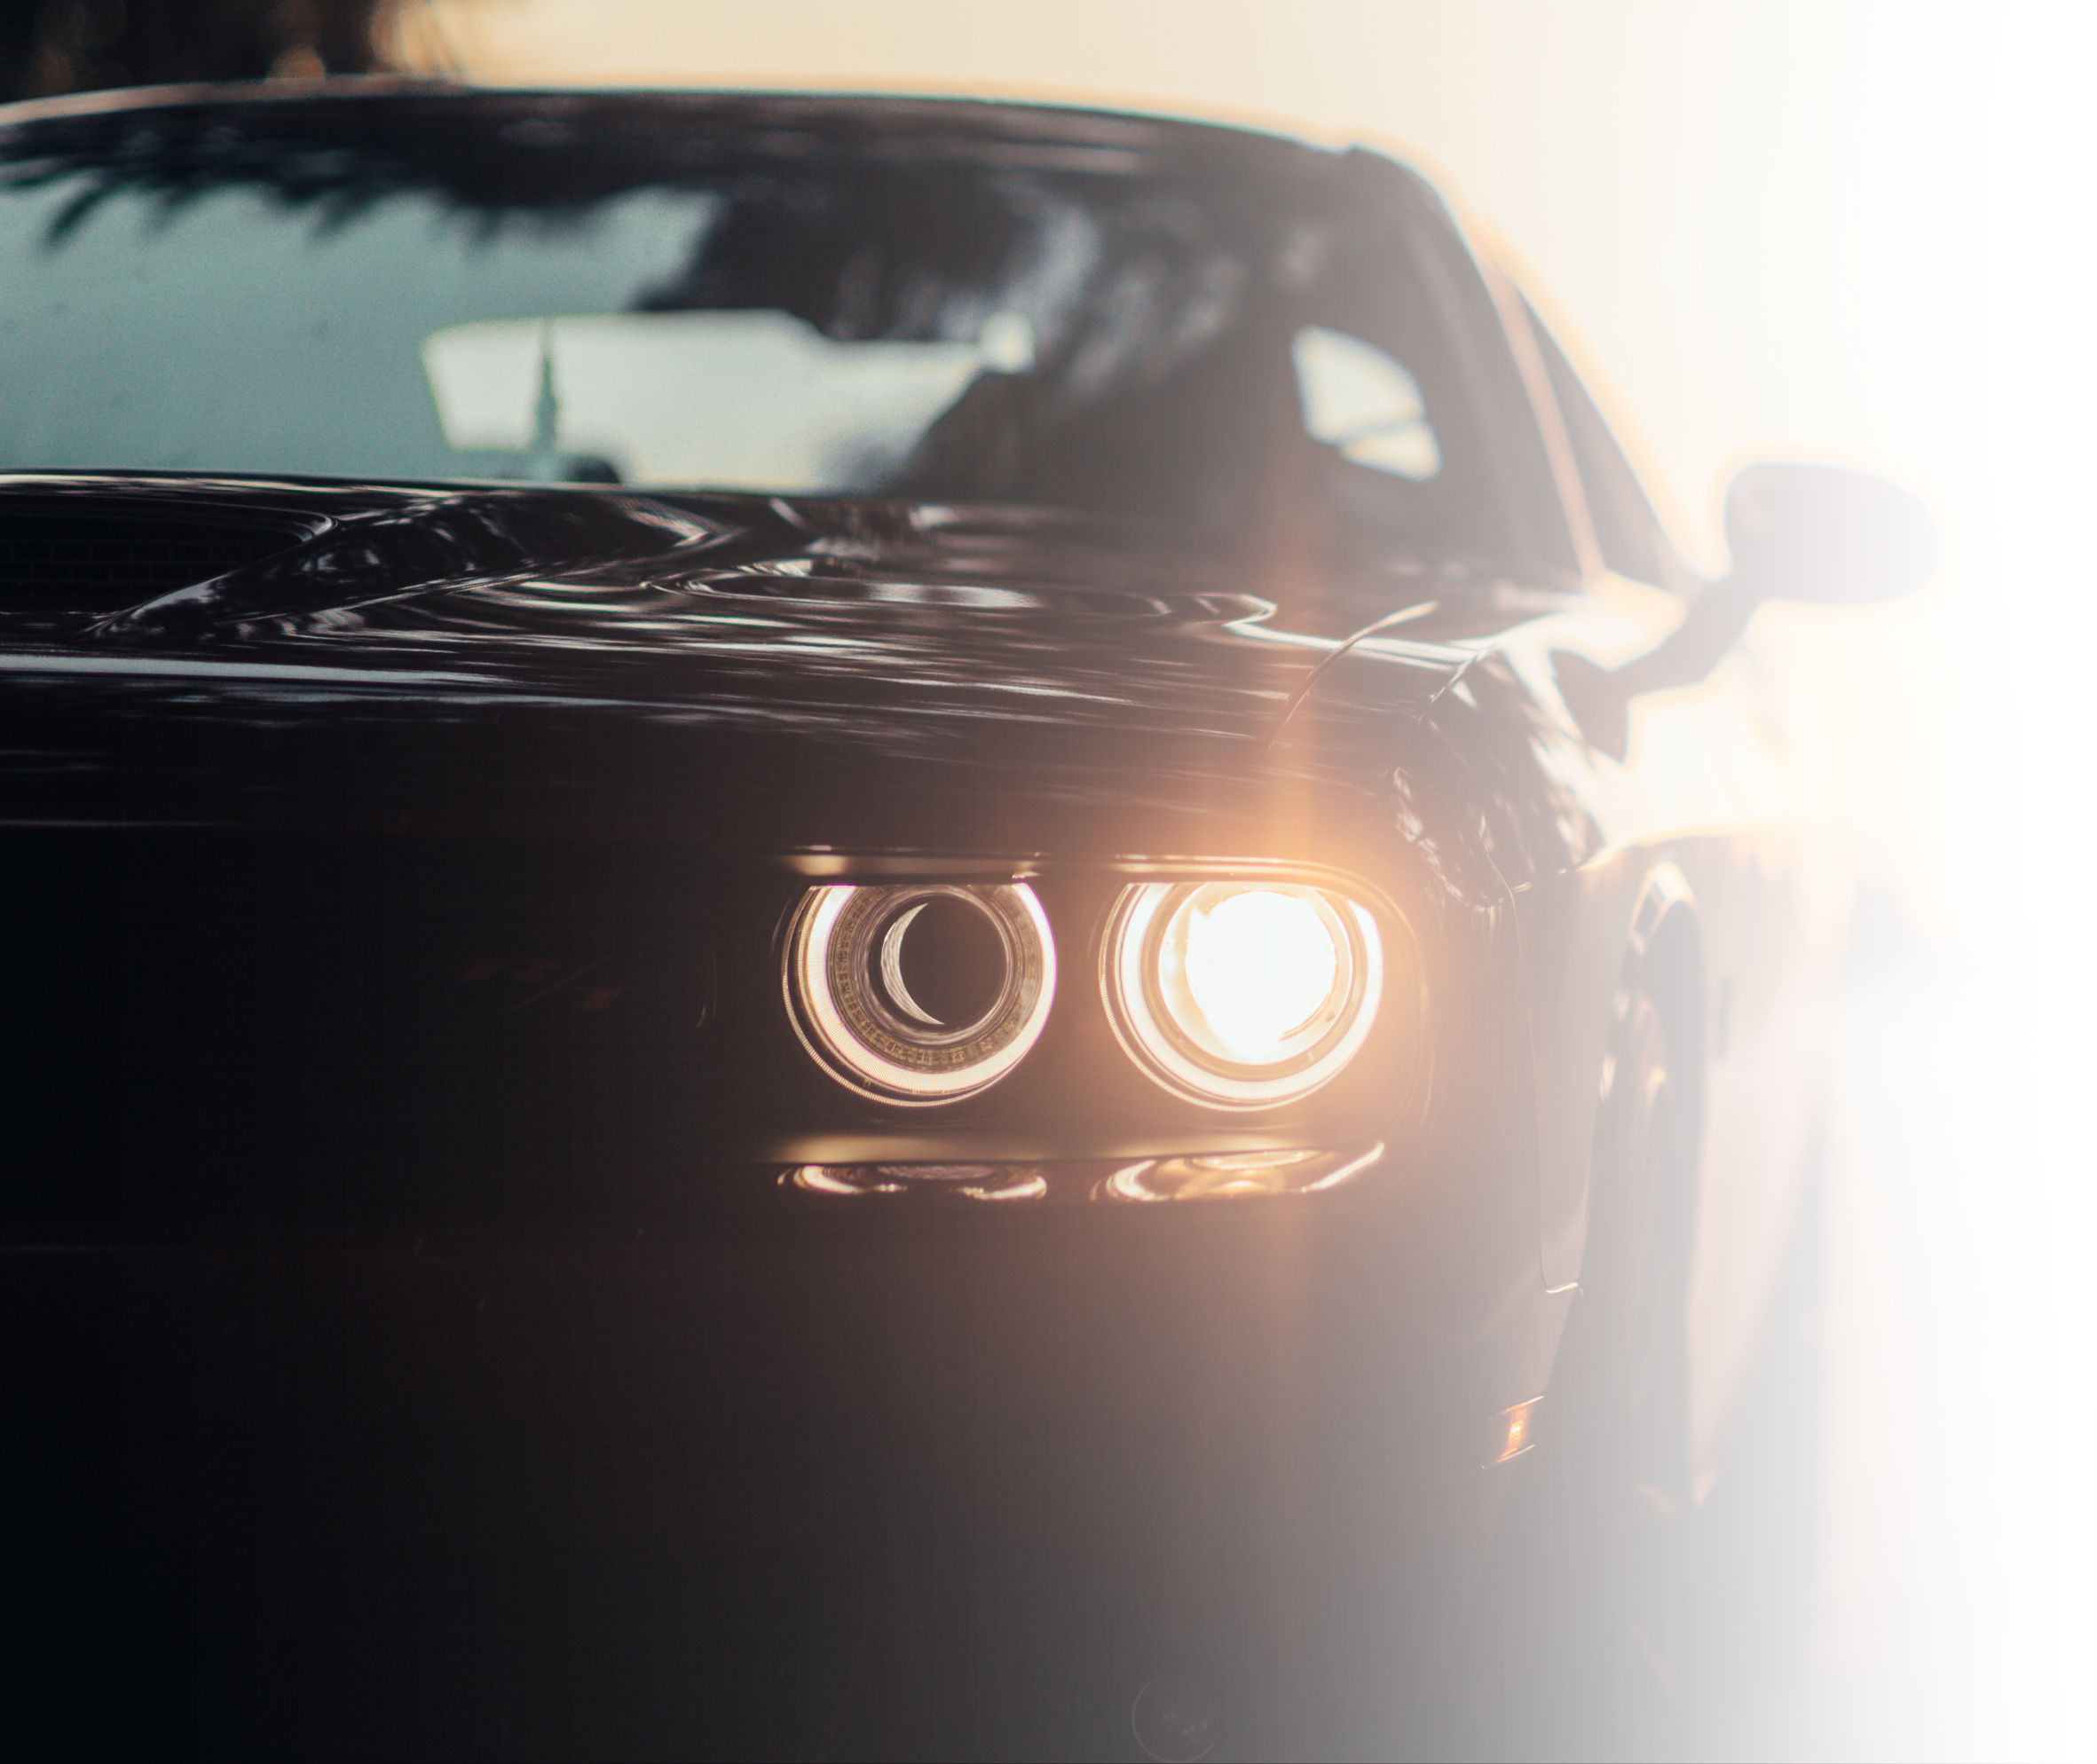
[(1243, 993), (858, 1009)]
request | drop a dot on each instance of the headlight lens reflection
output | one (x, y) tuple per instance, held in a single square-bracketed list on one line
[(920, 993), (1242, 993)]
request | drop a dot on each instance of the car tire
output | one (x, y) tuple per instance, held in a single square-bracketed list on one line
[(1761, 1529), (1630, 1434), (1575, 1645)]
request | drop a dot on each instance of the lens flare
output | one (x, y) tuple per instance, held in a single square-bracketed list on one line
[(1259, 964)]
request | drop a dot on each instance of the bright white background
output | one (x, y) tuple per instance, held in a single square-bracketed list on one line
[(1860, 232)]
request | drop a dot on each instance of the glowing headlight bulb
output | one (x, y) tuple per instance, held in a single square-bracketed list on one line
[(1242, 993), (1259, 964)]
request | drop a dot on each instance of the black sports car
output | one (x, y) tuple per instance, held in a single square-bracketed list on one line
[(860, 927)]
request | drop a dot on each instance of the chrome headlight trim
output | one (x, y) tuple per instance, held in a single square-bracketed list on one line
[(849, 1003), (1162, 1028)]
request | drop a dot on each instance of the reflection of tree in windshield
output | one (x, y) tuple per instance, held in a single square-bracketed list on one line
[(62, 46)]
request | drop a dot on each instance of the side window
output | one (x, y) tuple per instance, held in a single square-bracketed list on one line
[(1632, 540), (1364, 403)]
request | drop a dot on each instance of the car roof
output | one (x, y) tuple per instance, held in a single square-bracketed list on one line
[(876, 122), (691, 132)]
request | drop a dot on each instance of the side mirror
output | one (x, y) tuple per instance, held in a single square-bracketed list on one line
[(1824, 534), (1797, 533)]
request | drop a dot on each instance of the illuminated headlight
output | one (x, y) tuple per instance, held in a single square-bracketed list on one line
[(920, 992), (1242, 993)]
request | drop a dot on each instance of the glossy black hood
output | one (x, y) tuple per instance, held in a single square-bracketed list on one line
[(737, 669)]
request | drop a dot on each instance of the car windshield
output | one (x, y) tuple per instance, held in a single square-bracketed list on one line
[(349, 289)]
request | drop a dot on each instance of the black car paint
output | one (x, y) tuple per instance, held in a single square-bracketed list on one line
[(452, 1389)]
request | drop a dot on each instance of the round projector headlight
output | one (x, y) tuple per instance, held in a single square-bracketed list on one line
[(1242, 993), (920, 992)]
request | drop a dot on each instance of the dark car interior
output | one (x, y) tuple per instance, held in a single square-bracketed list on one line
[(1052, 333)]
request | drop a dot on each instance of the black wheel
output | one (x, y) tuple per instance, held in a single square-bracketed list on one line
[(1760, 1530), (1575, 1648), (1632, 1435)]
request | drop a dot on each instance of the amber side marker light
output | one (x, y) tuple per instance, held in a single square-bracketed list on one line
[(1514, 1432)]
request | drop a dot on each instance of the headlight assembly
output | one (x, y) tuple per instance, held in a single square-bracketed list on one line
[(920, 992), (1242, 993)]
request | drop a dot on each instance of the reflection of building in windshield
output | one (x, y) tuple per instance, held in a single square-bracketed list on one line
[(226, 331), (737, 399), (1358, 400)]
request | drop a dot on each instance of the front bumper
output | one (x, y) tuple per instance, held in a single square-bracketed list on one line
[(819, 1479)]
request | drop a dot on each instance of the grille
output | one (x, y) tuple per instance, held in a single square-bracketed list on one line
[(103, 560)]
